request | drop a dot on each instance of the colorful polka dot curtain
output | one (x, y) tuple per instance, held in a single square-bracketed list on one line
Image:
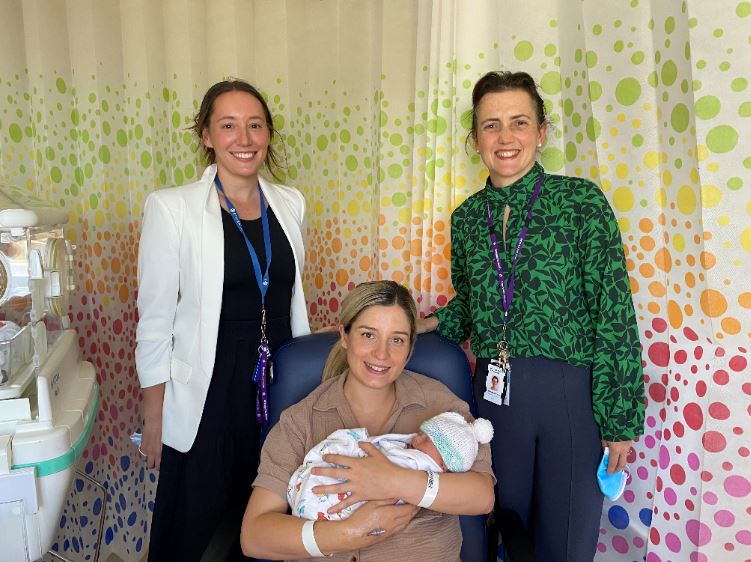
[(650, 99)]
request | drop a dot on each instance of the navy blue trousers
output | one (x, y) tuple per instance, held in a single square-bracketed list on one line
[(546, 449)]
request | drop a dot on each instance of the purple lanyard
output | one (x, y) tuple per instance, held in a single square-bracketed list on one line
[(262, 279), (508, 293)]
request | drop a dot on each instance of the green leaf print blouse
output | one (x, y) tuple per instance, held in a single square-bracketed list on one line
[(572, 298)]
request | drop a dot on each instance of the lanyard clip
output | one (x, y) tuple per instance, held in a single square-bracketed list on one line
[(263, 325)]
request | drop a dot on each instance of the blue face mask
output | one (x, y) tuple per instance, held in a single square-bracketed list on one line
[(611, 485)]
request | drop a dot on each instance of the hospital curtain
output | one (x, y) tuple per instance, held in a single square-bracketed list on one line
[(650, 99)]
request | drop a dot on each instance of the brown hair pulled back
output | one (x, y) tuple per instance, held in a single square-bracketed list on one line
[(501, 81), (274, 161)]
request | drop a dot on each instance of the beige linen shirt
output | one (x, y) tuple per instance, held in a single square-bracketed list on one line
[(430, 536)]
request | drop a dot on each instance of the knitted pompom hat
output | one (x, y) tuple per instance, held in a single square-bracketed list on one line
[(456, 439)]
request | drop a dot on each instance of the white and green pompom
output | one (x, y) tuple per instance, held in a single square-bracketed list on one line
[(483, 430)]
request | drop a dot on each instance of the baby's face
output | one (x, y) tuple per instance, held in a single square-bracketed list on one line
[(422, 442)]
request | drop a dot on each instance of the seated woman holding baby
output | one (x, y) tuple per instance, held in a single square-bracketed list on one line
[(408, 514)]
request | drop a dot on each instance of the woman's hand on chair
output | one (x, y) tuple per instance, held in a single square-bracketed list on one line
[(426, 324), (371, 478)]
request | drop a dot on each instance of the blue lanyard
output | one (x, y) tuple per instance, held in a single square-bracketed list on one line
[(264, 351), (261, 279)]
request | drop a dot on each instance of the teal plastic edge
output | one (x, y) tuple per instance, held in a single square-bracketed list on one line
[(66, 460)]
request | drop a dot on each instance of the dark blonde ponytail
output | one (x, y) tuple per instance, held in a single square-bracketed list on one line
[(336, 362)]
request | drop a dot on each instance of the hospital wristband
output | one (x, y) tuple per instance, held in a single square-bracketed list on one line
[(431, 490), (309, 540)]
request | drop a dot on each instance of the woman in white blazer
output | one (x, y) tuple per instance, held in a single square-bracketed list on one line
[(219, 288)]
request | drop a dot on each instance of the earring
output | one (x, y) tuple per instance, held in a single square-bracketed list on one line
[(539, 145)]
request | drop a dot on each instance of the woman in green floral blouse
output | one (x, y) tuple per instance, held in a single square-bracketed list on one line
[(543, 293)]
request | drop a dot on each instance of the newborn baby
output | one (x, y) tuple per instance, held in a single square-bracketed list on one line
[(445, 443)]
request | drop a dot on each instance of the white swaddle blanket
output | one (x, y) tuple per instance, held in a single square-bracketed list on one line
[(307, 505)]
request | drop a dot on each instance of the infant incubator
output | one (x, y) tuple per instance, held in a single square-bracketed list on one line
[(48, 396)]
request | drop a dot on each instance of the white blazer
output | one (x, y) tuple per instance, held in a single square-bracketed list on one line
[(180, 280)]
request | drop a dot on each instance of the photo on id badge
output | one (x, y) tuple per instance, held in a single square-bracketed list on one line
[(494, 386)]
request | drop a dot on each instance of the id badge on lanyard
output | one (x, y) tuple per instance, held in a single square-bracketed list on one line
[(498, 385), (498, 380)]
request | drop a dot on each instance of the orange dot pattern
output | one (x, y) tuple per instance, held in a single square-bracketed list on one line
[(645, 110)]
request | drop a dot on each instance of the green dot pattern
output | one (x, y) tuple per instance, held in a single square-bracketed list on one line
[(650, 102), (707, 107), (627, 91)]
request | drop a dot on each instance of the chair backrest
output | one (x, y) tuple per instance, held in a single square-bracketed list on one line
[(297, 368)]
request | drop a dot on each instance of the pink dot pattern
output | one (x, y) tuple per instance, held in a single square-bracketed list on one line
[(93, 128), (689, 494)]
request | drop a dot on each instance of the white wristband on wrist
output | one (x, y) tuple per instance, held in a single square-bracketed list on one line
[(309, 540), (431, 490)]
